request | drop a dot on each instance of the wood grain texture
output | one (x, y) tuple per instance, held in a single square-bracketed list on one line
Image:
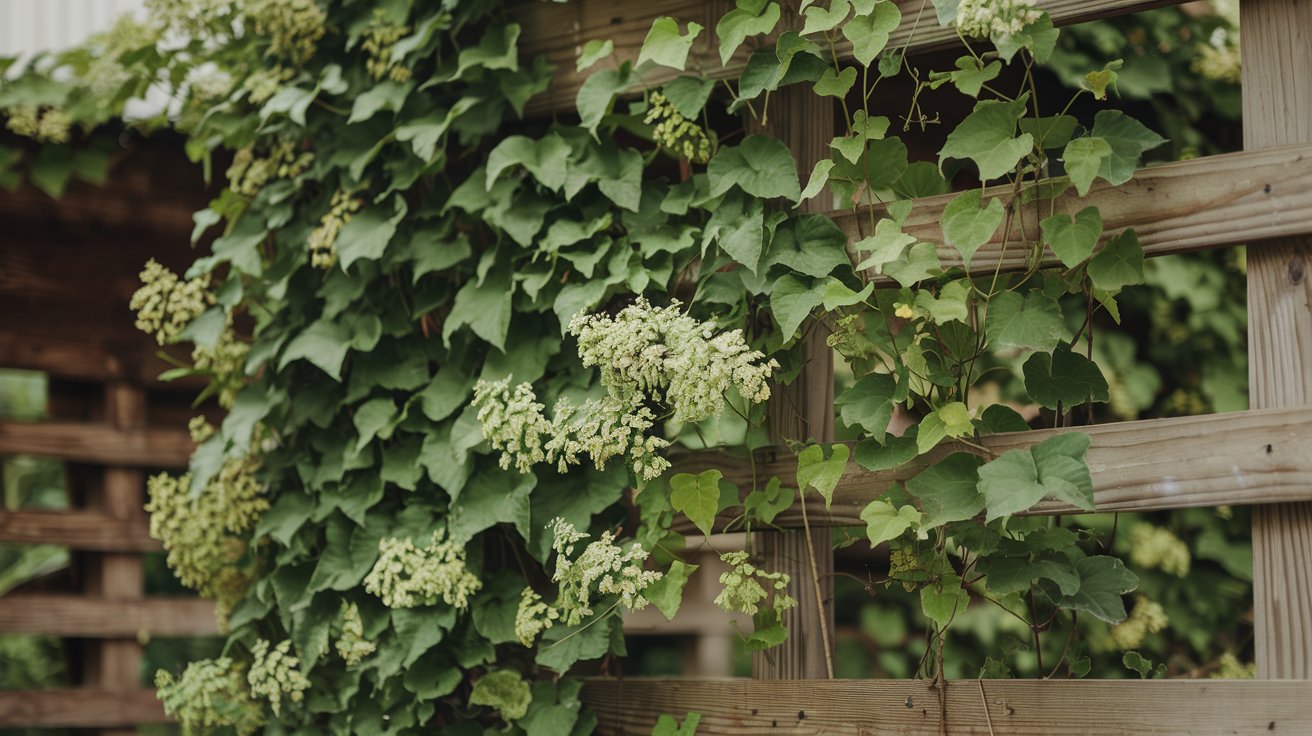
[(910, 708), (558, 32), (802, 410), (80, 708), (100, 618), (1248, 457), (1277, 56), (97, 443), (1202, 203), (77, 530)]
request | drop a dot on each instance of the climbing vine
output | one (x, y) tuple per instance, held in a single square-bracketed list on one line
[(403, 272)]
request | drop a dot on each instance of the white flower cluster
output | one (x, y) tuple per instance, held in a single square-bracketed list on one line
[(745, 586), (248, 174), (275, 673), (1148, 617), (666, 355), (165, 304), (406, 576), (351, 645), (676, 133), (994, 18), (603, 428), (323, 239), (211, 694), (604, 568), (1219, 63), (225, 362), (645, 354), (379, 41), (1157, 547), (48, 125), (293, 27)]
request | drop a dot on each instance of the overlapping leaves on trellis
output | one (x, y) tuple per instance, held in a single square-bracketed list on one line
[(393, 234)]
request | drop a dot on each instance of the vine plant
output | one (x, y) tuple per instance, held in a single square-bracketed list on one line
[(399, 535)]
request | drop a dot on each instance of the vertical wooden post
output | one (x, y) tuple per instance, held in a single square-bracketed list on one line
[(801, 410), (115, 664), (1277, 87)]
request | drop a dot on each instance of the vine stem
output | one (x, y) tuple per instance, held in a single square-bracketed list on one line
[(819, 597)]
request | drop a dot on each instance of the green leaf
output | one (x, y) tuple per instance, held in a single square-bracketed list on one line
[(323, 343), (764, 504), (1031, 322), (948, 490), (667, 726), (369, 231), (665, 46), (791, 302), (497, 49), (944, 599), (689, 95), (1000, 418), (836, 84), (1019, 479), (885, 246), (1015, 574), (884, 522), (970, 76), (1103, 580), (1084, 158), (869, 32), (967, 226), (592, 52), (819, 177), (988, 137), (385, 95), (485, 308), (1053, 131), (950, 304), (869, 404), (816, 471), (760, 165), (837, 295), (697, 497), (893, 452), (546, 159), (1136, 662), (1129, 139), (597, 94), (917, 264), (820, 19), (1064, 377), (1118, 264), (504, 690), (667, 593), (739, 23), (1072, 239), (950, 420), (490, 498)]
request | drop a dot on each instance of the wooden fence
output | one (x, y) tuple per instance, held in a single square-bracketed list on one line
[(1262, 197)]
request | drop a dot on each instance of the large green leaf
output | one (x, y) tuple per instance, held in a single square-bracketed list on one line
[(791, 302), (869, 404), (885, 522), (1119, 263), (1019, 479), (944, 599), (740, 23), (1031, 322), (1103, 580), (988, 137), (1128, 138), (1084, 158), (697, 497), (1072, 239), (814, 470), (869, 32), (760, 165), (948, 490), (1063, 377), (967, 226), (665, 46), (667, 593)]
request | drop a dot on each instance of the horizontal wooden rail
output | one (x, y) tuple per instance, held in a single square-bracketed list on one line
[(1246, 457), (79, 530), (97, 443), (558, 31), (99, 618), (1205, 202), (911, 708), (80, 708)]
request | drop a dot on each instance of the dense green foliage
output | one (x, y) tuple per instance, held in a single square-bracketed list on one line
[(406, 275)]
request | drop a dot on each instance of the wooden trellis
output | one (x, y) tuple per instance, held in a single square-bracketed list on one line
[(1261, 197)]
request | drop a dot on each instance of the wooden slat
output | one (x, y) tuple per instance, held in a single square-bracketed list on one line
[(97, 443), (909, 708), (96, 618), (1248, 457), (1174, 208), (559, 30), (78, 530), (1277, 54), (79, 708)]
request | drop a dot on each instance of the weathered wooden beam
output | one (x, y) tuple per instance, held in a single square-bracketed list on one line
[(80, 708), (558, 31), (1247, 457), (99, 618), (974, 707), (78, 530), (97, 443), (1202, 203), (1277, 53)]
